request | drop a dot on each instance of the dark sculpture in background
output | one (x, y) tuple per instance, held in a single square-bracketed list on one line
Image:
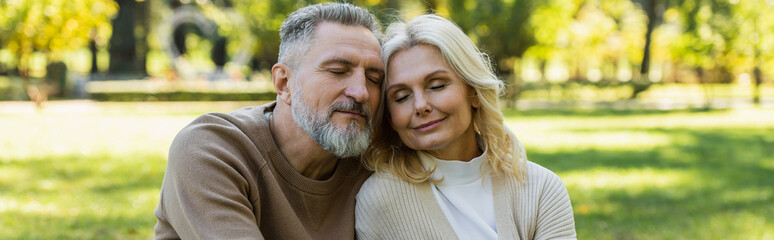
[(192, 20)]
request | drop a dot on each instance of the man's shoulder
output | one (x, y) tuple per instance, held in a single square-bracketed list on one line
[(244, 117), (236, 132), (252, 112), (217, 125)]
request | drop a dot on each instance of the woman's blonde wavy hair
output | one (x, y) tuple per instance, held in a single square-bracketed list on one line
[(387, 152)]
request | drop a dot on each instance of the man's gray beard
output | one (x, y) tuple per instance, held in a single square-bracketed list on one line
[(348, 141)]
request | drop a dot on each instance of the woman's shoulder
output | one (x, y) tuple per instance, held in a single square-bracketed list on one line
[(536, 171), (538, 176), (542, 176), (382, 184)]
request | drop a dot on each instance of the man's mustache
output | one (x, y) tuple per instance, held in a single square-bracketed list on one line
[(350, 105)]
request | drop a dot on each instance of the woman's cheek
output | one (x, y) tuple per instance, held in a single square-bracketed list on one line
[(395, 118)]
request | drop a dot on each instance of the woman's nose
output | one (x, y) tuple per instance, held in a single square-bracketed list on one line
[(421, 105)]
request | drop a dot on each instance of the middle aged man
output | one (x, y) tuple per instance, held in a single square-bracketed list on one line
[(288, 169)]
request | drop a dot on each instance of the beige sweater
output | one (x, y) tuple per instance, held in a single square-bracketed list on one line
[(390, 208), (227, 179)]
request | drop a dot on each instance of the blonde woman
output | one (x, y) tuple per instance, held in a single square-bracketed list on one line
[(445, 165)]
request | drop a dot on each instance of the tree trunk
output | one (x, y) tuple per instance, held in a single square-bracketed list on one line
[(218, 53), (700, 73), (142, 21), (127, 51), (758, 76), (94, 51), (643, 82)]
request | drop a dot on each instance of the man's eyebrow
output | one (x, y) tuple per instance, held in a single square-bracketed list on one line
[(376, 69), (338, 60)]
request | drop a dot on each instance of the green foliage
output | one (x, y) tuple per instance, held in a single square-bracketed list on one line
[(498, 27), (706, 41), (754, 42), (731, 35), (53, 26)]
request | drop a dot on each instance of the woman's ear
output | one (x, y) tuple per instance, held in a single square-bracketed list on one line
[(279, 76), (474, 99)]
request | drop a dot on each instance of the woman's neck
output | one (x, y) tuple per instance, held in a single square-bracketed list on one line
[(464, 148)]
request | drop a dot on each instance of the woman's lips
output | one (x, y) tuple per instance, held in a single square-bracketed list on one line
[(429, 125)]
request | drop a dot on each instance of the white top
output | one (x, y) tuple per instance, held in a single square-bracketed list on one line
[(464, 195)]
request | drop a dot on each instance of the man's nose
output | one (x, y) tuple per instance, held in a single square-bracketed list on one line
[(356, 88)]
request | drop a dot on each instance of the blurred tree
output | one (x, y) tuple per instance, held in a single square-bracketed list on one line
[(51, 27), (653, 10), (499, 27), (264, 19), (707, 30), (128, 43), (754, 46), (594, 33)]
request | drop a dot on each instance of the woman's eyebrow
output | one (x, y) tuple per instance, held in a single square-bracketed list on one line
[(397, 85), (427, 77), (436, 72)]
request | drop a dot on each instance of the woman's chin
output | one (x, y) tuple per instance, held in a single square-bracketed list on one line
[(427, 146)]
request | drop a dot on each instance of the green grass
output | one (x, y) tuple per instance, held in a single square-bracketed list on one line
[(671, 175), (95, 173)]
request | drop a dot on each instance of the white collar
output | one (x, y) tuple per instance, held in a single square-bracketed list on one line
[(455, 172)]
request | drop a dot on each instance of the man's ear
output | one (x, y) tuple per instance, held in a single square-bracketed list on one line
[(280, 73)]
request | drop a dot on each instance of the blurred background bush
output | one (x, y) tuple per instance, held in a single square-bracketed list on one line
[(552, 49)]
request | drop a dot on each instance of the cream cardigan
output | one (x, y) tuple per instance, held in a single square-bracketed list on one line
[(390, 208)]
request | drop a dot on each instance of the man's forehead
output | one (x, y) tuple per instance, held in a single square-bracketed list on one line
[(345, 54), (332, 31)]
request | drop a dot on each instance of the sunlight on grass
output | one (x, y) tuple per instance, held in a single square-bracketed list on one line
[(632, 181), (742, 118), (736, 225), (90, 175), (27, 207), (600, 140), (93, 170), (56, 135), (671, 175), (104, 196), (742, 196)]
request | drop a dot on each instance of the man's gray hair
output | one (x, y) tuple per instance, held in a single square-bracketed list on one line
[(297, 31)]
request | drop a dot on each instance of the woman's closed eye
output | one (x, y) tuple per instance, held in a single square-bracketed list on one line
[(438, 86), (400, 97), (437, 83)]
